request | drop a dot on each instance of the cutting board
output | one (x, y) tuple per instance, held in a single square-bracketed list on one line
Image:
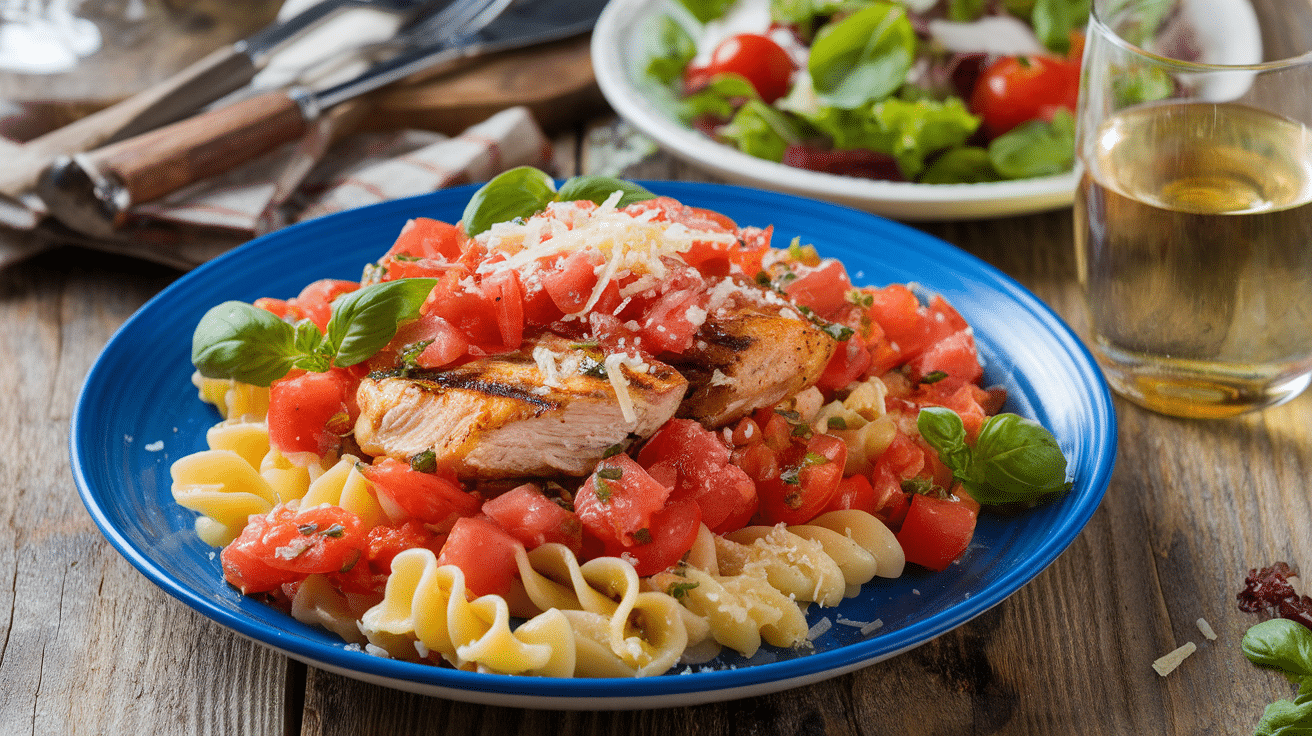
[(553, 80)]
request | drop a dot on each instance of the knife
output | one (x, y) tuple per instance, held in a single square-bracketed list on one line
[(182, 94), (93, 192)]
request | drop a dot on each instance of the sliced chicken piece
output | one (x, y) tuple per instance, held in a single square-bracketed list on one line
[(749, 357), (550, 409)]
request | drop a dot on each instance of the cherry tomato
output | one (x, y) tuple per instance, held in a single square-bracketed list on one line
[(755, 57), (1017, 89)]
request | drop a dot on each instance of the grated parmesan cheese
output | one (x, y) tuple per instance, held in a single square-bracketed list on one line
[(1167, 663), (1206, 628), (819, 629)]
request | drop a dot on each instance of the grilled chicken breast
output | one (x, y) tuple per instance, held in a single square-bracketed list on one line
[(549, 409), (747, 358)]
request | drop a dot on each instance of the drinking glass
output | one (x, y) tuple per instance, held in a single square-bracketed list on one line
[(1193, 216)]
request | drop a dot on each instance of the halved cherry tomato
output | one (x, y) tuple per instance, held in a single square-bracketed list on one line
[(1017, 89), (755, 57), (936, 531)]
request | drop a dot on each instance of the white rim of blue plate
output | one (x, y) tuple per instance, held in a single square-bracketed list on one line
[(95, 443)]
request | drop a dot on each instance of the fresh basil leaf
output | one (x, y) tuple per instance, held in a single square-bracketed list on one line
[(520, 192), (1035, 148), (759, 130), (1280, 644), (705, 10), (236, 340), (599, 188), (964, 165), (1015, 460), (1286, 718), (943, 429), (672, 47), (365, 320), (863, 57)]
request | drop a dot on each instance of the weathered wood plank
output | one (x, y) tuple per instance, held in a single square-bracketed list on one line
[(87, 644)]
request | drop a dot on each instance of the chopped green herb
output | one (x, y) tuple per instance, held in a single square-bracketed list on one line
[(603, 491), (643, 536), (424, 462), (837, 331), (678, 590), (593, 367), (613, 450), (406, 257), (814, 458), (610, 473), (585, 345), (791, 476), (934, 377), (789, 414), (837, 423), (802, 430), (335, 531)]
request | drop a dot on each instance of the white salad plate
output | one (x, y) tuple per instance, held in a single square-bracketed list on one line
[(138, 412), (619, 55)]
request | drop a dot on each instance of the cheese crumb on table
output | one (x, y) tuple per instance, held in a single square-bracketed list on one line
[(1167, 663), (1206, 628)]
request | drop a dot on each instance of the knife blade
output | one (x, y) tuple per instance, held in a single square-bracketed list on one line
[(182, 94), (93, 192)]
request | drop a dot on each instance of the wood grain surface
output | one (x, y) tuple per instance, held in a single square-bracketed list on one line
[(89, 646)]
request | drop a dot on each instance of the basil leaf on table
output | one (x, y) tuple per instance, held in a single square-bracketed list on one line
[(864, 57), (1285, 646), (1014, 459), (237, 340), (365, 320)]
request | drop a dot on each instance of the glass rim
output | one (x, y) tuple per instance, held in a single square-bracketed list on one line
[(1303, 59)]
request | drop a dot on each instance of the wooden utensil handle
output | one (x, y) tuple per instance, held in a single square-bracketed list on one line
[(164, 160)]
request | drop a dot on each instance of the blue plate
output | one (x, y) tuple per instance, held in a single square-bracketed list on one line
[(138, 412)]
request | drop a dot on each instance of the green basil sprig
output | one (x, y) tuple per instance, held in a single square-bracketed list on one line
[(1286, 646), (240, 341), (1014, 459), (525, 191)]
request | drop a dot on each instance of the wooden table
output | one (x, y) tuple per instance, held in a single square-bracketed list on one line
[(87, 645)]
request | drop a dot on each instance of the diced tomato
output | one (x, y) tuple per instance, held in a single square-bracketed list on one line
[(966, 401), (903, 456), (807, 482), (424, 237), (434, 498), (724, 493), (469, 310), (571, 282), (316, 300), (534, 519), (279, 308), (286, 545), (823, 288), (848, 364), (382, 543), (853, 492), (508, 302), (440, 342), (890, 502), (669, 325), (672, 533), (954, 357), (311, 412), (617, 502), (904, 321), (484, 552), (936, 531)]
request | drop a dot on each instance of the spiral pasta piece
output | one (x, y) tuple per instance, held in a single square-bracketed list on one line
[(319, 603), (233, 399), (740, 611), (223, 487), (343, 485)]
